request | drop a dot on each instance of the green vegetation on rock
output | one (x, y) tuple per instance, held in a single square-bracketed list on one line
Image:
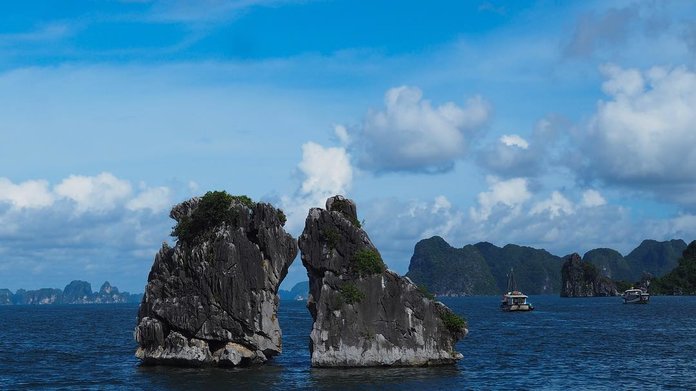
[(369, 262), (610, 263), (351, 294), (682, 279), (536, 270), (482, 268), (332, 237), (656, 258), (281, 217), (453, 322), (244, 200), (447, 270), (424, 290), (212, 211)]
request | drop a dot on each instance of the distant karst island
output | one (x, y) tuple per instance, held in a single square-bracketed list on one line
[(299, 291), (76, 292), (481, 269)]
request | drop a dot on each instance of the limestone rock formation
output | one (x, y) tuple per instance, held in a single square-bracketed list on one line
[(77, 292), (5, 297), (583, 279), (365, 315), (212, 299)]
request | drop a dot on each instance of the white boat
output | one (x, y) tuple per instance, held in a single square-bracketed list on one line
[(514, 300), (635, 296)]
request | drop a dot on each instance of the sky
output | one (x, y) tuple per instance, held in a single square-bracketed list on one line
[(554, 124)]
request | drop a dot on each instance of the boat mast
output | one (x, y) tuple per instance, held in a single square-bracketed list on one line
[(512, 286)]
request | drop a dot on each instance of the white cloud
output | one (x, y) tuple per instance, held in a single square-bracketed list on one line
[(96, 193), (441, 203), (156, 199), (86, 227), (513, 140), (622, 81), (28, 194), (326, 171), (513, 155), (412, 135), (342, 134), (556, 205), (511, 194), (646, 131), (592, 198)]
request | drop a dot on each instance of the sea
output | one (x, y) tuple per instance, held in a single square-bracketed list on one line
[(577, 344)]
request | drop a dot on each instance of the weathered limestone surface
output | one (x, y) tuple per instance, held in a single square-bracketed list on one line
[(583, 279), (214, 301), (392, 324)]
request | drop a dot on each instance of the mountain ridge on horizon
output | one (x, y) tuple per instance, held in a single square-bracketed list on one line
[(76, 292), (481, 268)]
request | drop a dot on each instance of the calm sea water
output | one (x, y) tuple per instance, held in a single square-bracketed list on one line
[(595, 343)]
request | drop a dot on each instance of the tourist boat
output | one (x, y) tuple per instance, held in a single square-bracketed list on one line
[(514, 300), (636, 296)]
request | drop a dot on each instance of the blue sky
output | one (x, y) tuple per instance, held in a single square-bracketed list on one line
[(560, 125)]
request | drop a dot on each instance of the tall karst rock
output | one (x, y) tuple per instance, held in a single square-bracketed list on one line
[(212, 299), (583, 279), (364, 314)]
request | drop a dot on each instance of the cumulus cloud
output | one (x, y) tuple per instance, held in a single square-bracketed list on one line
[(99, 193), (411, 134), (513, 155), (325, 171), (509, 194), (555, 206), (86, 227), (28, 194), (155, 199), (592, 198), (510, 156), (646, 130), (513, 140), (342, 134)]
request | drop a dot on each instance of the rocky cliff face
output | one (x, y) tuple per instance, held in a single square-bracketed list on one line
[(6, 297), (108, 294), (77, 292), (365, 315), (582, 279), (212, 299), (39, 296)]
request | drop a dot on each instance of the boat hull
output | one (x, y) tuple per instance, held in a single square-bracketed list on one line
[(516, 307), (637, 300)]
